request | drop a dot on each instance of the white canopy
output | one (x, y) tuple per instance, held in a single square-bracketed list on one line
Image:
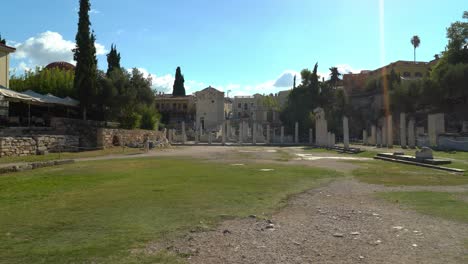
[(52, 99), (36, 98)]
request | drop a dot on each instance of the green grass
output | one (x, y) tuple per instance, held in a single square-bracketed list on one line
[(98, 211), (365, 154), (71, 155), (397, 174), (439, 204), (282, 155)]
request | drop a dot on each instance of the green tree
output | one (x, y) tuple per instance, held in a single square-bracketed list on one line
[(113, 60), (55, 81), (85, 82), (334, 76), (457, 33), (415, 41), (178, 88), (2, 40)]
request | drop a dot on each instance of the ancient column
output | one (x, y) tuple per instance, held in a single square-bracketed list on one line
[(209, 138), (296, 133), (373, 135), (268, 134), (169, 135), (241, 129), (223, 134), (436, 126), (329, 140), (333, 140), (384, 133), (184, 135), (282, 135), (311, 136), (346, 132), (365, 139), (379, 138), (325, 131), (403, 130), (390, 131), (228, 129), (196, 136), (318, 130), (254, 133), (411, 135)]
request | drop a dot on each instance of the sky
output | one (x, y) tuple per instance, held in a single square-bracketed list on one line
[(241, 46)]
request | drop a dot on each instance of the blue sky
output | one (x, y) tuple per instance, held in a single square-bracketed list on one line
[(245, 46)]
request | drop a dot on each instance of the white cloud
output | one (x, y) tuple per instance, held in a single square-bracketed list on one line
[(345, 68), (286, 79), (47, 47), (161, 83)]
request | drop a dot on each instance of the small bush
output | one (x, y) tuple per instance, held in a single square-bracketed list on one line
[(131, 120)]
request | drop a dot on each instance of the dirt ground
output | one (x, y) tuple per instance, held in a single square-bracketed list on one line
[(342, 222)]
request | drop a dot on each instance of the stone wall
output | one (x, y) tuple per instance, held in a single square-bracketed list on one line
[(25, 146), (107, 138), (17, 146), (85, 129)]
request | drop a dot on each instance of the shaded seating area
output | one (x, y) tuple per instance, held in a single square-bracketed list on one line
[(30, 108)]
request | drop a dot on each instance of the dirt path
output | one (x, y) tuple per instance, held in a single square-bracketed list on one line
[(342, 222), (339, 223)]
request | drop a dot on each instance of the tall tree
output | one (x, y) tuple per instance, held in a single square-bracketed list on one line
[(113, 60), (334, 76), (415, 41), (2, 40), (294, 84), (85, 82), (178, 88)]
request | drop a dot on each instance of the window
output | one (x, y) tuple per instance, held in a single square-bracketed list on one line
[(406, 74), (174, 106), (239, 115), (185, 106), (246, 106), (418, 74), (157, 106), (239, 105)]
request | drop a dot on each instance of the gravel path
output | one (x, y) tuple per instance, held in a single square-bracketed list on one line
[(339, 223)]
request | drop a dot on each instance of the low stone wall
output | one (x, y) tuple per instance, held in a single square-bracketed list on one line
[(26, 146), (85, 129), (17, 146), (107, 138)]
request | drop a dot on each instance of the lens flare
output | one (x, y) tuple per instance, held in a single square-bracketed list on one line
[(382, 56)]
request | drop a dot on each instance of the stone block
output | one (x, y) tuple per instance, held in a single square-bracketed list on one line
[(424, 153)]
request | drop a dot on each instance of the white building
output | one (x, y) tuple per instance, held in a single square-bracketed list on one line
[(209, 108), (5, 64)]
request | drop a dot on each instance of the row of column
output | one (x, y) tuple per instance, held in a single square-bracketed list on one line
[(383, 136), (226, 132)]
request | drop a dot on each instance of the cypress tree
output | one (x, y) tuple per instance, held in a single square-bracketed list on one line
[(113, 60), (85, 83), (2, 40), (178, 88)]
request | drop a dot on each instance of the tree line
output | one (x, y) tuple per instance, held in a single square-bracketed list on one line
[(445, 90)]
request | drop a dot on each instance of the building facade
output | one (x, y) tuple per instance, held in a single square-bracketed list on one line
[(176, 109), (210, 112), (355, 83), (5, 65)]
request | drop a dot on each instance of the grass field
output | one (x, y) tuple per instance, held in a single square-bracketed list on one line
[(440, 204), (397, 174), (96, 212), (71, 155)]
